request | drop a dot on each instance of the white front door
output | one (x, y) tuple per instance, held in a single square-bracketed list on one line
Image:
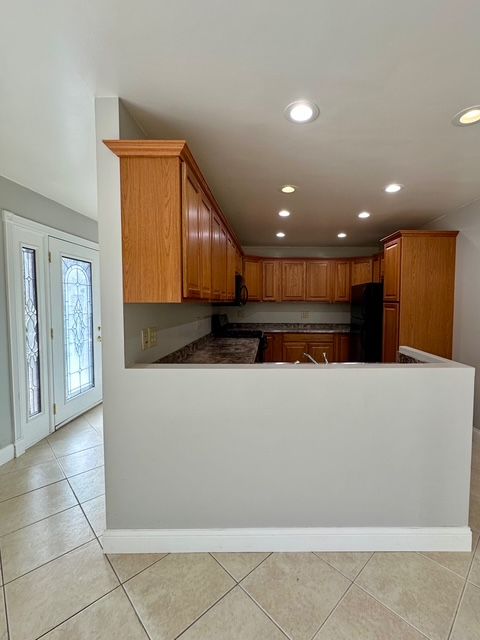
[(76, 328), (27, 294)]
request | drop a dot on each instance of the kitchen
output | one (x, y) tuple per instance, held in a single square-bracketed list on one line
[(191, 253)]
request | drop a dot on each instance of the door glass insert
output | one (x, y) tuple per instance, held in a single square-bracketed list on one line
[(78, 326), (30, 318)]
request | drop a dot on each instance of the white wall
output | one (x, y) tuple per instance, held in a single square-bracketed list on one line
[(287, 312), (33, 206), (466, 330), (268, 445)]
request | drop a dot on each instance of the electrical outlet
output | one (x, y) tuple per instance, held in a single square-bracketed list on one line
[(152, 336), (305, 315), (145, 339)]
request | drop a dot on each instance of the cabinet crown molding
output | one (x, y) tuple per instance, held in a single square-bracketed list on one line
[(420, 232)]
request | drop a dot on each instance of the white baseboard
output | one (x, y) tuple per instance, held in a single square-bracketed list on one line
[(7, 453), (286, 539)]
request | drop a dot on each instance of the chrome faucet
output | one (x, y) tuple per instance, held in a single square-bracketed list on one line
[(307, 355)]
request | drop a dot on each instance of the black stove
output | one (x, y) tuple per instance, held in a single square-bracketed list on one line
[(221, 328)]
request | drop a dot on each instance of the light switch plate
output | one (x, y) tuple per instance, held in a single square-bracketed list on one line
[(152, 336), (145, 339)]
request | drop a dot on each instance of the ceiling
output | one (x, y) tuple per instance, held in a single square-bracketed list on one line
[(387, 76)]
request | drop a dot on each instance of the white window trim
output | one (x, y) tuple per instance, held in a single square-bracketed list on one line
[(13, 221)]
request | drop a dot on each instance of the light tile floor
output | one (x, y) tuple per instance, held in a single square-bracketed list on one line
[(58, 584)]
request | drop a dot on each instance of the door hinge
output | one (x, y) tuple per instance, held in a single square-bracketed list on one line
[(49, 256), (51, 334), (54, 409)]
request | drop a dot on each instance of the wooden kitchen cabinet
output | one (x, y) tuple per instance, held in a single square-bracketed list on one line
[(342, 347), (318, 348), (238, 262), (230, 288), (361, 270), (274, 350), (252, 272), (419, 287), (293, 279), (293, 351), (205, 226), (318, 281), (341, 281), (174, 235), (391, 280), (192, 240), (390, 331), (271, 281), (219, 260)]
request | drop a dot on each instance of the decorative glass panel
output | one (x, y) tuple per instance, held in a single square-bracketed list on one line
[(32, 351), (78, 326)]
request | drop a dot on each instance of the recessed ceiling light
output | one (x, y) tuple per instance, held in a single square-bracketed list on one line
[(468, 116), (301, 111), (280, 234), (284, 213), (394, 187), (363, 214), (288, 188), (341, 235)]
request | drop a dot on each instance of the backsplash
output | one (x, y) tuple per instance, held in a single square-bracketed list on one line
[(176, 324), (287, 312)]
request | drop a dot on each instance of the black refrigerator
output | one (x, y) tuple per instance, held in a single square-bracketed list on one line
[(366, 323)]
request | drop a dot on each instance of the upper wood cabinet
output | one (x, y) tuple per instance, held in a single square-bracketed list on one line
[(174, 235), (361, 271), (192, 239), (318, 280), (419, 287), (341, 281), (377, 268), (238, 262), (205, 226), (271, 281), (230, 269), (293, 279), (391, 280), (252, 272)]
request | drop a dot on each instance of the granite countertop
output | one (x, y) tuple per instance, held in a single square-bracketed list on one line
[(293, 327), (212, 350)]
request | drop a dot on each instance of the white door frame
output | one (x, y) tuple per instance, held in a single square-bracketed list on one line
[(12, 222)]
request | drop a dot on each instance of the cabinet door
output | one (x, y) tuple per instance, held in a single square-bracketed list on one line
[(191, 239), (318, 280), (342, 347), (318, 348), (238, 262), (391, 278), (391, 313), (223, 263), (274, 352), (293, 351), (252, 272), (376, 276), (205, 217), (362, 271), (293, 279), (218, 276), (271, 280), (230, 269), (341, 281)]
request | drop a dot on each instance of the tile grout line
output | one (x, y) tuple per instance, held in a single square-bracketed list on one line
[(336, 569), (342, 598), (460, 600), (4, 596), (287, 635), (247, 574), (41, 519), (382, 603)]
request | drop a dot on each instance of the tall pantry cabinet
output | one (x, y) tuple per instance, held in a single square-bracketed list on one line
[(418, 292)]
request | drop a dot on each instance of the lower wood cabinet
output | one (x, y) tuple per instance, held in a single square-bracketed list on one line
[(290, 347), (391, 322)]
